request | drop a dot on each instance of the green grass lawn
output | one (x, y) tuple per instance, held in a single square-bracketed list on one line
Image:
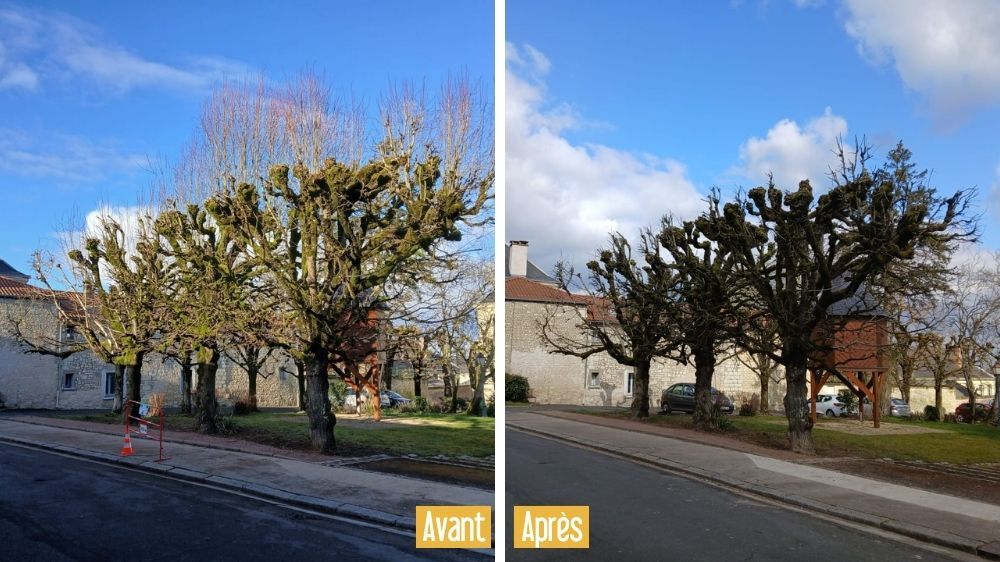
[(958, 444), (421, 434)]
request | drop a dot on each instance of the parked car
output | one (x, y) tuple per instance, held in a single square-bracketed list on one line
[(963, 412), (828, 405), (680, 398), (351, 400), (897, 407), (396, 399)]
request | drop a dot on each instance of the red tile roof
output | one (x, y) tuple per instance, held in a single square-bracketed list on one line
[(523, 289), (13, 289)]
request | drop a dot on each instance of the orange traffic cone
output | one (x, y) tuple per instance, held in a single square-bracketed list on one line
[(127, 448)]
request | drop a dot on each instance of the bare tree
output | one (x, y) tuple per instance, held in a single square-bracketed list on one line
[(975, 322)]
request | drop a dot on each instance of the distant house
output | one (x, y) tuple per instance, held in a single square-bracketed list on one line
[(532, 296), (81, 380)]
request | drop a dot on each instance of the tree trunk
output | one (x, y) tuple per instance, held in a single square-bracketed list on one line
[(796, 407), (373, 391), (640, 390), (208, 405), (417, 377), (252, 370), (906, 381), (704, 369), (135, 378), (390, 362), (937, 397), (116, 408), (994, 417), (321, 419), (478, 404), (186, 377), (765, 396), (300, 369)]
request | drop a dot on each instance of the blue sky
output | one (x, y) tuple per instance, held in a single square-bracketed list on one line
[(95, 95), (618, 112)]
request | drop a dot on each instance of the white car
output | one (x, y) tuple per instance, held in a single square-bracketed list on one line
[(351, 400), (828, 405)]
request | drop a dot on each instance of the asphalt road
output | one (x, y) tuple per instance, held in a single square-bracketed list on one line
[(638, 513), (58, 508)]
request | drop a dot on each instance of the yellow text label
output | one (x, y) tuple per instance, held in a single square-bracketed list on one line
[(551, 526), (454, 526)]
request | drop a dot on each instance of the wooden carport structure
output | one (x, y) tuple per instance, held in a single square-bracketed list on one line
[(852, 345)]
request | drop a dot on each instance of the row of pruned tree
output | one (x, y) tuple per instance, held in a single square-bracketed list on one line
[(760, 273), (284, 227)]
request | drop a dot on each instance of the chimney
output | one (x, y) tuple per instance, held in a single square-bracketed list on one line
[(518, 260)]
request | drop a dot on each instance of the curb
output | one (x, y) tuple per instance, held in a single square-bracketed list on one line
[(331, 507), (990, 551)]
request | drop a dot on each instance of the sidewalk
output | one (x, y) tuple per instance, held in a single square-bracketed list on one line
[(958, 523), (350, 492)]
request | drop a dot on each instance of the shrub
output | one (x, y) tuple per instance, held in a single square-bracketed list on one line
[(749, 403), (916, 416), (720, 419), (420, 404), (516, 388), (338, 392), (849, 400), (241, 404), (931, 413)]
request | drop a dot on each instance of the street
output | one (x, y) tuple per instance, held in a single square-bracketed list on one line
[(58, 508), (638, 513)]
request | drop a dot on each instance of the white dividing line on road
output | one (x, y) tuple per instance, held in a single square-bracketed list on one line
[(895, 492)]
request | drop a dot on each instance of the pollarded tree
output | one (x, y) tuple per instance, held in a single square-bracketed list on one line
[(330, 239), (119, 296), (705, 299), (801, 255), (211, 300), (625, 315)]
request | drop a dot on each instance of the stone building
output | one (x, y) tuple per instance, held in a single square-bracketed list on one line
[(533, 297), (81, 380)]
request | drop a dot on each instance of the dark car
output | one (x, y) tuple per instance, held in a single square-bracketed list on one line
[(963, 412), (680, 398), (396, 399)]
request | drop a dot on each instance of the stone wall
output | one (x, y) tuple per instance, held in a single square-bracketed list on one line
[(565, 379), (27, 380), (38, 381)]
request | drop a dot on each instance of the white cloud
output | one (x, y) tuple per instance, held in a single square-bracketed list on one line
[(994, 199), (15, 75), (565, 198), (52, 45), (66, 159), (793, 152), (948, 51)]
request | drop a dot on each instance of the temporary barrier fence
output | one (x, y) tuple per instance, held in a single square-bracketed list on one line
[(137, 411)]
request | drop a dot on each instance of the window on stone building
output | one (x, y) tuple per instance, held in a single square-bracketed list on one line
[(629, 382), (594, 380), (69, 381), (70, 332), (109, 385)]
